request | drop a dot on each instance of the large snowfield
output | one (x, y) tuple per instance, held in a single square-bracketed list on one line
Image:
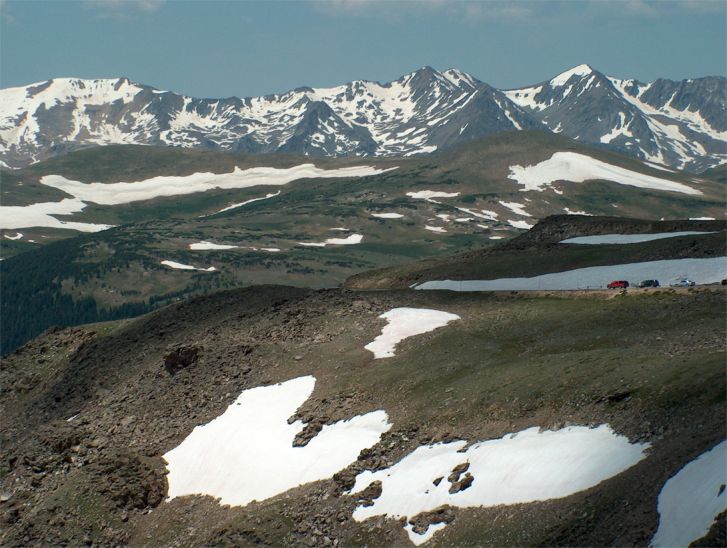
[(700, 271), (691, 500), (628, 238), (577, 168), (124, 193), (527, 466), (403, 323), (247, 453), (42, 214)]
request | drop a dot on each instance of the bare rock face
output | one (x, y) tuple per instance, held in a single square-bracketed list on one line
[(458, 481), (373, 491), (180, 357), (421, 522), (460, 485), (457, 471), (129, 479), (309, 431)]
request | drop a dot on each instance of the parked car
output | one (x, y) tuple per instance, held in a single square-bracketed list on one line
[(649, 283), (684, 282), (618, 284)]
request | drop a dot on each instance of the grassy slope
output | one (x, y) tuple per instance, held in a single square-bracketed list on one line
[(539, 252), (512, 362), (121, 267), (718, 173), (114, 163)]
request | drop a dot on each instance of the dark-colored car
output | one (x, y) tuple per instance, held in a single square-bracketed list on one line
[(618, 284), (649, 283)]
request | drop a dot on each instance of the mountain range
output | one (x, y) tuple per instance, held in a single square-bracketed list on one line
[(680, 124)]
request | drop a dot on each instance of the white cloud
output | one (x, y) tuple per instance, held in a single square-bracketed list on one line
[(122, 9), (640, 7), (704, 6), (515, 11), (463, 10), (5, 15)]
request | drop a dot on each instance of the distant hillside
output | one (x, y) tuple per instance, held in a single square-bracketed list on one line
[(311, 231), (540, 251)]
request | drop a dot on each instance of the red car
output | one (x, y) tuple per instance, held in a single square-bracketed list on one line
[(618, 284)]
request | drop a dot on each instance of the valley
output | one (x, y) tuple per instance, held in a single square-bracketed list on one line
[(305, 226)]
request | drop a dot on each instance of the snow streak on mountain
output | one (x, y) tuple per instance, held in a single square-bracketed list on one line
[(679, 124)]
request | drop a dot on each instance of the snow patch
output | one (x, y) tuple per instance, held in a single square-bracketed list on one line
[(349, 240), (563, 77), (42, 215), (527, 466), (516, 208), (247, 453), (437, 229), (17, 236), (404, 323), (521, 224), (429, 194), (577, 168), (204, 246), (484, 213), (235, 206), (419, 539), (572, 212), (691, 499), (387, 215), (180, 266), (628, 238)]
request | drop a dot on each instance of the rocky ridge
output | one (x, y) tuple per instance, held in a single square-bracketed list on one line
[(677, 124)]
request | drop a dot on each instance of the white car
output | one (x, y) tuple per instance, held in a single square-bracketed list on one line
[(684, 282)]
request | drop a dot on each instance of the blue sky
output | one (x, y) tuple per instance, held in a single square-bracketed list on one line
[(244, 48)]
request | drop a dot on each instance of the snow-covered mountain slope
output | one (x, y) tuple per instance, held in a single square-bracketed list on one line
[(678, 124), (418, 113)]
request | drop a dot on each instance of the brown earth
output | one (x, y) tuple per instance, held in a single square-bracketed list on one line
[(86, 413)]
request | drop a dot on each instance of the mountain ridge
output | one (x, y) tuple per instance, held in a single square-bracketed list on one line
[(421, 112), (633, 117)]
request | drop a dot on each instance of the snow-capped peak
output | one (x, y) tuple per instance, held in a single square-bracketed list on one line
[(679, 124), (407, 116), (458, 78), (563, 77)]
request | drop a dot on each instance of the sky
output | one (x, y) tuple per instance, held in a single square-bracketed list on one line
[(248, 48)]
